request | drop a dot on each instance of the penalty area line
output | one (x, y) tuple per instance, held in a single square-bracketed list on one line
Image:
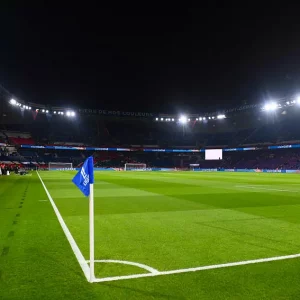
[(210, 267), (82, 262)]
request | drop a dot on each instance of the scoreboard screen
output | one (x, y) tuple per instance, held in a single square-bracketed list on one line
[(213, 154)]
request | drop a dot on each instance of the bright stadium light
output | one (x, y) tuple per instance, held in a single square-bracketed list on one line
[(173, 120), (183, 119), (72, 114), (204, 118), (62, 113), (29, 107), (156, 119), (43, 110), (200, 119), (47, 111), (271, 106), (209, 118), (298, 100), (13, 102), (54, 112), (196, 119), (161, 119), (221, 117), (212, 117)]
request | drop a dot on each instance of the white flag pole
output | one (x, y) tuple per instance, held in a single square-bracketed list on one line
[(92, 258)]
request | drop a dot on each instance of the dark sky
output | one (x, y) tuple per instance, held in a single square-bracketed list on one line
[(149, 58)]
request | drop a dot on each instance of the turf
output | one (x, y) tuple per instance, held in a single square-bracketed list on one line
[(164, 220)]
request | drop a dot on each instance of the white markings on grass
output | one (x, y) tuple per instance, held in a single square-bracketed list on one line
[(258, 187), (152, 272), (189, 270), (125, 262), (43, 200), (81, 260)]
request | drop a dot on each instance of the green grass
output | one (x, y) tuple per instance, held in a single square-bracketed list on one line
[(164, 220)]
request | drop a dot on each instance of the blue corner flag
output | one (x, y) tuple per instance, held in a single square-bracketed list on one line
[(85, 176)]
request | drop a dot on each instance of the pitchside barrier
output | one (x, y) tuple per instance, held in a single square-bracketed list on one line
[(195, 169), (247, 170)]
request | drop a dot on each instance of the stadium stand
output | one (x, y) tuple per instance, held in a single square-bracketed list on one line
[(242, 129)]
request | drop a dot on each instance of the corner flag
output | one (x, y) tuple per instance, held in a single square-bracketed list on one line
[(85, 176), (84, 180)]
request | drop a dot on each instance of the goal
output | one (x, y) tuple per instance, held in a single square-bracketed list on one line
[(60, 166), (135, 167)]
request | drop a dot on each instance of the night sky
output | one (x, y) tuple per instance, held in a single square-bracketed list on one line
[(149, 58)]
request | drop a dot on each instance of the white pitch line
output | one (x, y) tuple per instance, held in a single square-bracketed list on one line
[(262, 188), (232, 264), (125, 262), (82, 262)]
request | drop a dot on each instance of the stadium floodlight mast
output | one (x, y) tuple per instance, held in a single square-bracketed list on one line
[(271, 106), (183, 119), (13, 102)]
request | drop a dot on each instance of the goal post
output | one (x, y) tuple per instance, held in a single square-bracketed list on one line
[(52, 166), (135, 167)]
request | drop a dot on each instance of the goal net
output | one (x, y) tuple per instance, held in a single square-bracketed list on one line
[(60, 166), (135, 167)]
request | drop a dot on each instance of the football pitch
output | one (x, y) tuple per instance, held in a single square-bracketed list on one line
[(179, 235)]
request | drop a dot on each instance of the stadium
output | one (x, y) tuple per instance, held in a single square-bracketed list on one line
[(206, 205), (149, 151)]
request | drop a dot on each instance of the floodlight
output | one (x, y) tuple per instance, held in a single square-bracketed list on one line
[(156, 119), (13, 102), (221, 117), (204, 118), (196, 119), (271, 106), (183, 119), (189, 119), (212, 117), (54, 112), (72, 114), (298, 100), (62, 113), (200, 119), (47, 111), (173, 120), (29, 107), (209, 118), (37, 110), (43, 110), (68, 114), (161, 119), (288, 102)]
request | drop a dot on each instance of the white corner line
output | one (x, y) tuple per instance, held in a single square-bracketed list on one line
[(81, 260), (125, 262), (219, 266)]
